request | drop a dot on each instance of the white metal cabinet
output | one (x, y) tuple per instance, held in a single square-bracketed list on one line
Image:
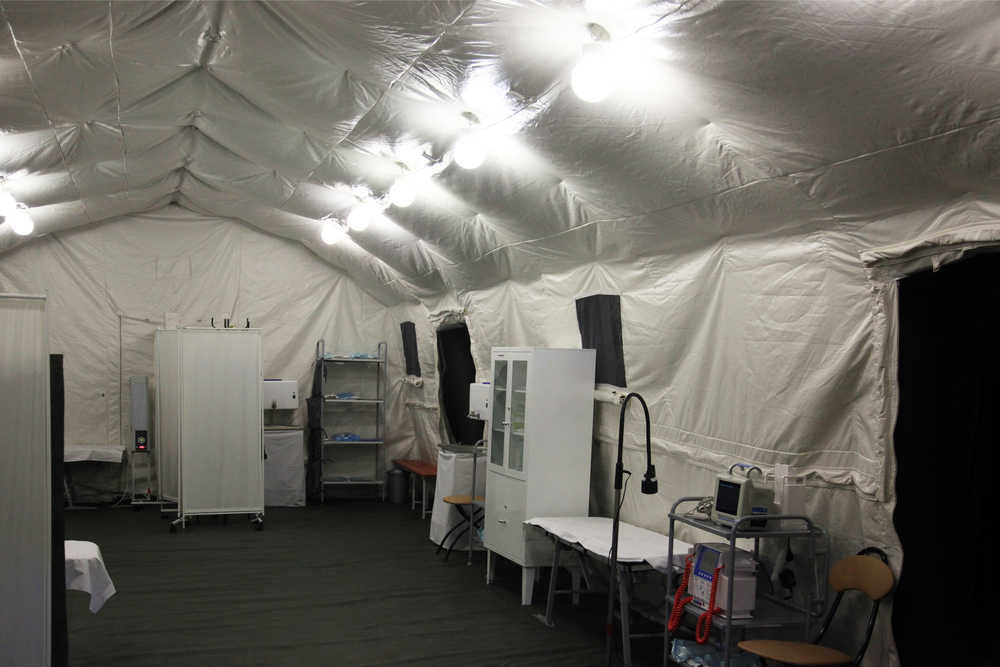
[(539, 450)]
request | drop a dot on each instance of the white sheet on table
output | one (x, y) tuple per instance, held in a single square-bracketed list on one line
[(635, 545), (85, 572)]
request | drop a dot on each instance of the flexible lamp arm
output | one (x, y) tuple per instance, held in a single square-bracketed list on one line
[(649, 485)]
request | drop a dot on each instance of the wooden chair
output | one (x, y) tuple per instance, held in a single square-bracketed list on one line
[(854, 573)]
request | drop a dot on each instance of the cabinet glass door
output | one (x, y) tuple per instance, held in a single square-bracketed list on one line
[(498, 423), (518, 389)]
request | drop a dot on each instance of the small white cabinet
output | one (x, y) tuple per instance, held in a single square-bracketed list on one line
[(540, 435)]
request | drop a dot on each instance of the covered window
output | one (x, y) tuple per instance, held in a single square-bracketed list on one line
[(409, 331), (600, 320)]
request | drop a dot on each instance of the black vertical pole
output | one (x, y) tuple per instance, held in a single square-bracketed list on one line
[(57, 408)]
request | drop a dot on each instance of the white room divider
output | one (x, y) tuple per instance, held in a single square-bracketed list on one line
[(168, 413), (209, 421), (25, 483)]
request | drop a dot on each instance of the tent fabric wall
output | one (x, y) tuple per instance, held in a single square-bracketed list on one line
[(25, 483), (182, 267)]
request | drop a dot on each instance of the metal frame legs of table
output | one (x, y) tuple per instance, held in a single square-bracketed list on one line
[(624, 572)]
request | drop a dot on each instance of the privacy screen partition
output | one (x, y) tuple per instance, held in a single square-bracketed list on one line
[(209, 421), (25, 484)]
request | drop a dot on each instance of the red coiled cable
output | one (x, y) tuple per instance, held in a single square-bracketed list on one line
[(677, 611), (704, 628)]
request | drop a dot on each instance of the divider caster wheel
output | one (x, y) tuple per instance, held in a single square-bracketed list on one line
[(173, 528), (259, 525)]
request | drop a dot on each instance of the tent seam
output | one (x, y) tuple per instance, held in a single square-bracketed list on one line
[(381, 96), (118, 103), (48, 119)]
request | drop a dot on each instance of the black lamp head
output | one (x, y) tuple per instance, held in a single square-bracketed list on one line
[(649, 486)]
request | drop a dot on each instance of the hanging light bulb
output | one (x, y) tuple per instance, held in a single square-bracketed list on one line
[(593, 77), (20, 222), (7, 202), (402, 193), (470, 150), (359, 218), (332, 232)]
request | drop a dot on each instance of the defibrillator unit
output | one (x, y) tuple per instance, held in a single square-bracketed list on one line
[(707, 559)]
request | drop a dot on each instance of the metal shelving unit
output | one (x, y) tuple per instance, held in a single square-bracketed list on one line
[(770, 611), (370, 372)]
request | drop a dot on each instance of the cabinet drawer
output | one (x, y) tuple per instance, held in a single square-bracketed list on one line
[(505, 515)]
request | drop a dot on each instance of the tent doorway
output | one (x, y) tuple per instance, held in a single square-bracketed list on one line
[(457, 371), (945, 442)]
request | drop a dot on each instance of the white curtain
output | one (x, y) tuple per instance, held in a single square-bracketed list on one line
[(25, 484), (221, 449), (168, 414)]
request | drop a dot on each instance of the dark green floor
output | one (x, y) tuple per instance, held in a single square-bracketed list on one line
[(350, 583)]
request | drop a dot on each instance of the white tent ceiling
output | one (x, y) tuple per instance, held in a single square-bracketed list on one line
[(727, 118)]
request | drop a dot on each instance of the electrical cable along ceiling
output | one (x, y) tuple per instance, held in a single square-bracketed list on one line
[(722, 119)]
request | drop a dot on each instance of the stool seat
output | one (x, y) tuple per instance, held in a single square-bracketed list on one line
[(470, 519), (462, 500)]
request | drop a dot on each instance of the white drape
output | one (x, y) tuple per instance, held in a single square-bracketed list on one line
[(25, 484), (221, 449)]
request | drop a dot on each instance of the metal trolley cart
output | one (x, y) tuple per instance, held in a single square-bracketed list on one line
[(770, 611)]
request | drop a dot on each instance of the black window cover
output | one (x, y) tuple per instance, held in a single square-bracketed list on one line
[(600, 320), (409, 331)]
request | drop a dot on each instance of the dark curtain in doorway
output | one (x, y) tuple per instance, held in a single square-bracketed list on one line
[(945, 609), (458, 371)]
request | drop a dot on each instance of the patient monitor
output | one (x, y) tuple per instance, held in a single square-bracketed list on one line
[(737, 496)]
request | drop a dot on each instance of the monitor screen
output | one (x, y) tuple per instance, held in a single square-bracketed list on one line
[(727, 497), (707, 560)]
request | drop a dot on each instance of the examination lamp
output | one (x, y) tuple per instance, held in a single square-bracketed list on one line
[(649, 487)]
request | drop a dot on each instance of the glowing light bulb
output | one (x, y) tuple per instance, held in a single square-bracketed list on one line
[(20, 222), (593, 78), (332, 232), (7, 203), (470, 151), (402, 192), (359, 218)]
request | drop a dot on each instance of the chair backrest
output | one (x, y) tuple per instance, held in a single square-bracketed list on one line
[(860, 573)]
